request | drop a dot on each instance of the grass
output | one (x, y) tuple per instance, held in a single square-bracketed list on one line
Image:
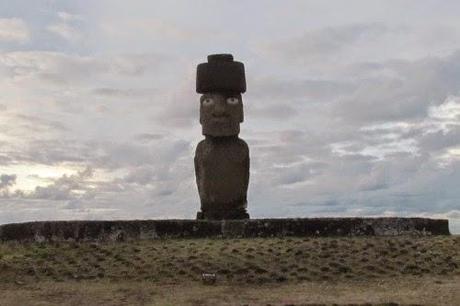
[(155, 267)]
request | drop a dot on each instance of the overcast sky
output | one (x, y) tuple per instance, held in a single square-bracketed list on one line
[(352, 107)]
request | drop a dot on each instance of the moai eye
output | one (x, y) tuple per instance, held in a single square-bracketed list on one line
[(208, 101), (233, 100)]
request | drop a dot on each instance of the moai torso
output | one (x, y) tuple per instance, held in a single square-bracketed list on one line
[(222, 159), (222, 174)]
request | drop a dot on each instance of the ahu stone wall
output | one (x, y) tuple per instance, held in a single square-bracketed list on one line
[(159, 229)]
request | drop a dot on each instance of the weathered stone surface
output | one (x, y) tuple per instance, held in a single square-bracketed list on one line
[(222, 159), (220, 74), (158, 229), (219, 118), (222, 176)]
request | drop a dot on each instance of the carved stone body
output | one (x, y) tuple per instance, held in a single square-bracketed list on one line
[(222, 159), (222, 176)]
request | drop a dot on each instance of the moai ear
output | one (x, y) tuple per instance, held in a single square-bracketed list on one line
[(201, 112), (241, 119)]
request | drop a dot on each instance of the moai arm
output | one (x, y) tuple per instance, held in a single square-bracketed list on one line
[(198, 166), (246, 163)]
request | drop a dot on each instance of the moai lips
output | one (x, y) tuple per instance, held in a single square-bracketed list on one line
[(222, 159)]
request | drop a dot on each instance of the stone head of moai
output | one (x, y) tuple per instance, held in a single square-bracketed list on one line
[(221, 81), (222, 158)]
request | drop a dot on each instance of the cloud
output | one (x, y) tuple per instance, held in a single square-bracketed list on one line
[(7, 180), (412, 87), (305, 89), (375, 168), (20, 141), (49, 152), (272, 98), (14, 30), (64, 188), (149, 136), (60, 68), (181, 106), (445, 116), (352, 115), (68, 17), (66, 31), (68, 27), (157, 29), (144, 150), (437, 131), (271, 111), (374, 182), (123, 93), (33, 123), (119, 155), (324, 43)]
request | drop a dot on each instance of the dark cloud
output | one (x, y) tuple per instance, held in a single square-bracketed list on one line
[(143, 175), (415, 86), (7, 180), (67, 187), (433, 142)]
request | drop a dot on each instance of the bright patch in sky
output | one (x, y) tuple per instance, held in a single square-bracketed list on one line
[(30, 176)]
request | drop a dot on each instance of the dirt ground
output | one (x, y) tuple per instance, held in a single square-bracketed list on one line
[(400, 291)]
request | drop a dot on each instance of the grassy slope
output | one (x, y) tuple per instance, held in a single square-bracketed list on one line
[(247, 264)]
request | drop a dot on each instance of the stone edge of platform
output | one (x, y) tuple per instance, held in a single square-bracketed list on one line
[(123, 230)]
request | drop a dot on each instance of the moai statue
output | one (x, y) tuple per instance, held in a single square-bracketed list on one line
[(221, 159)]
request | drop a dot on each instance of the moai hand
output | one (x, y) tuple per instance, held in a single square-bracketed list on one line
[(221, 159)]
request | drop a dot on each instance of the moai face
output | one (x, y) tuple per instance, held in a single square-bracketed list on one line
[(221, 114), (221, 81)]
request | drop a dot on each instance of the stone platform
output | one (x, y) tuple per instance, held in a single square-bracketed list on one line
[(158, 229)]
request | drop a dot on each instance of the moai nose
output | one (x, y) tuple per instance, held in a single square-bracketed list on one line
[(220, 108)]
